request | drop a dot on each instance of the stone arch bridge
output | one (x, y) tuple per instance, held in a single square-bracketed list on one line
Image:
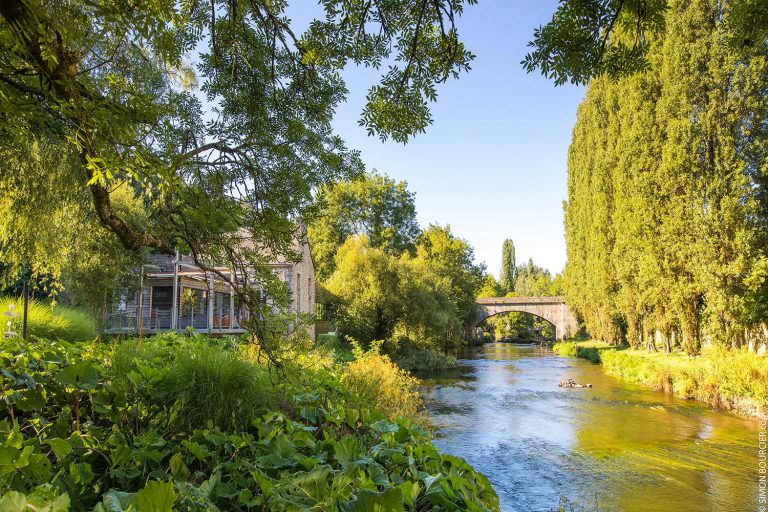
[(552, 309)]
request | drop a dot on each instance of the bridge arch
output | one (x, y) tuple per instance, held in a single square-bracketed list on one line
[(552, 309)]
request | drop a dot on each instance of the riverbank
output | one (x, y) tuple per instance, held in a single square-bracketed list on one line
[(196, 423), (734, 380)]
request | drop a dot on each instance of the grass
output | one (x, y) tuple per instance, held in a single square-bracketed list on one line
[(207, 385), (43, 321), (729, 379), (586, 350)]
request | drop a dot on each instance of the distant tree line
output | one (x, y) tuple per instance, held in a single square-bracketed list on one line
[(381, 277)]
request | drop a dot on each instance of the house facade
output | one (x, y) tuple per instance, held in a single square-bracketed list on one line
[(177, 295)]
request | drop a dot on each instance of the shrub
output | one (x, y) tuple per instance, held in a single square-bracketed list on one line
[(422, 359), (378, 382), (213, 385), (565, 348), (52, 322)]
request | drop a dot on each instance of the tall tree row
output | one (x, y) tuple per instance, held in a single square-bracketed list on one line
[(666, 213)]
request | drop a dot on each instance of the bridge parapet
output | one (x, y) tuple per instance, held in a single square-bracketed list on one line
[(553, 309), (555, 299)]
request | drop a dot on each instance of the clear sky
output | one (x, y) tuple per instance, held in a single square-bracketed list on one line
[(493, 163)]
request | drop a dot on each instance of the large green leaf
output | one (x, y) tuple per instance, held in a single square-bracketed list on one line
[(83, 375), (345, 450), (13, 502), (390, 500), (155, 497), (315, 483), (60, 447), (117, 501)]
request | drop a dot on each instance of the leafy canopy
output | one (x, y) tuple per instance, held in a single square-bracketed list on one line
[(215, 114), (375, 206), (589, 38)]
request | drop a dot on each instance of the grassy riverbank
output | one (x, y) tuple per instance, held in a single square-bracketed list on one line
[(735, 380)]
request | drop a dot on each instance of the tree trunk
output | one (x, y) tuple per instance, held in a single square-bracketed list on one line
[(689, 327)]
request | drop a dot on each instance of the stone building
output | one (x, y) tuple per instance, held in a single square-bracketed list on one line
[(177, 295)]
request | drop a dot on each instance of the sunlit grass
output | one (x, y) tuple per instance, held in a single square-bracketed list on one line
[(732, 379), (52, 322)]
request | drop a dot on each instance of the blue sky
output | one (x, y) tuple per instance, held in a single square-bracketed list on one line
[(493, 164)]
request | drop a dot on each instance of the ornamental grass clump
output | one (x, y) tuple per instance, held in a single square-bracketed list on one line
[(379, 383), (208, 386), (51, 322)]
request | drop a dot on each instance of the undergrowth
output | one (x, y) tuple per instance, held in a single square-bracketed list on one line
[(173, 424)]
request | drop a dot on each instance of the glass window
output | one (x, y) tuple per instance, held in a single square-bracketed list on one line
[(298, 293)]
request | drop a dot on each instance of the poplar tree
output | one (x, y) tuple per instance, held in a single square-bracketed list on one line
[(666, 211), (508, 266)]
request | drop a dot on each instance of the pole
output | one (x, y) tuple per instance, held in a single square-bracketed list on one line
[(26, 310), (175, 302), (140, 320)]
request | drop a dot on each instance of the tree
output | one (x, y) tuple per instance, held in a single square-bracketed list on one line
[(533, 280), (427, 298), (52, 238), (451, 261), (589, 38), (366, 282), (665, 220), (490, 287), (232, 146), (508, 268), (375, 206)]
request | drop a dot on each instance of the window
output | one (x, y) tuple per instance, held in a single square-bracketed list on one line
[(309, 295), (298, 293)]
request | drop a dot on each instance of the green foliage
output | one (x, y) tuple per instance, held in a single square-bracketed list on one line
[(112, 443), (534, 281), (375, 206), (378, 382), (508, 266), (490, 288), (730, 379), (665, 219), (367, 287), (584, 350), (426, 297), (54, 322), (418, 358), (209, 386), (590, 38)]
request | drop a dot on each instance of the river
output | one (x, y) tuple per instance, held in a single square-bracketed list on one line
[(612, 447)]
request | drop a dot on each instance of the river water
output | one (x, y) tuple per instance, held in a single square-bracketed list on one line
[(612, 447)]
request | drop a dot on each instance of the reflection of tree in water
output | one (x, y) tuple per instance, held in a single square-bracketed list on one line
[(665, 457)]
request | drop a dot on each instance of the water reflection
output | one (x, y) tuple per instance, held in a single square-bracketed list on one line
[(615, 446)]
